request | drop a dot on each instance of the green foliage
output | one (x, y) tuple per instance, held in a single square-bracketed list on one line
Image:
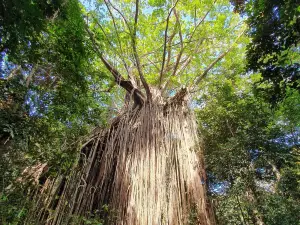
[(289, 111), (96, 217), (244, 140), (47, 98), (280, 210), (21, 23), (83, 220), (289, 184), (13, 207), (274, 49), (215, 34), (232, 121)]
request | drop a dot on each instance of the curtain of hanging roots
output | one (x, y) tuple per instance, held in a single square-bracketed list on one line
[(147, 169)]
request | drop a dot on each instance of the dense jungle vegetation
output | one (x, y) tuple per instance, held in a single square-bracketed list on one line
[(150, 112)]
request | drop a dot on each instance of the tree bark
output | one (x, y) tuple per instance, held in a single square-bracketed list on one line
[(147, 168)]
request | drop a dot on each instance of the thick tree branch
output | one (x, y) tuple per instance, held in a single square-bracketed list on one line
[(127, 85), (31, 75), (184, 63), (133, 40), (153, 63), (118, 37), (120, 55), (165, 43), (181, 45), (175, 73), (169, 47), (14, 72), (136, 56), (126, 23), (121, 14), (201, 21), (221, 56)]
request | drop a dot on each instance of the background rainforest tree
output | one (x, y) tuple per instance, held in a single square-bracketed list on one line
[(47, 102), (247, 155), (149, 75), (274, 49)]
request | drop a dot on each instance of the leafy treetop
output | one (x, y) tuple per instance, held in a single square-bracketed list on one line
[(164, 44)]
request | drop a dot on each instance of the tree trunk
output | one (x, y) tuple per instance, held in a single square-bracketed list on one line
[(147, 168), (255, 215)]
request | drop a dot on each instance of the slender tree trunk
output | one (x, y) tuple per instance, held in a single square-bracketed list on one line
[(147, 168), (256, 216)]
